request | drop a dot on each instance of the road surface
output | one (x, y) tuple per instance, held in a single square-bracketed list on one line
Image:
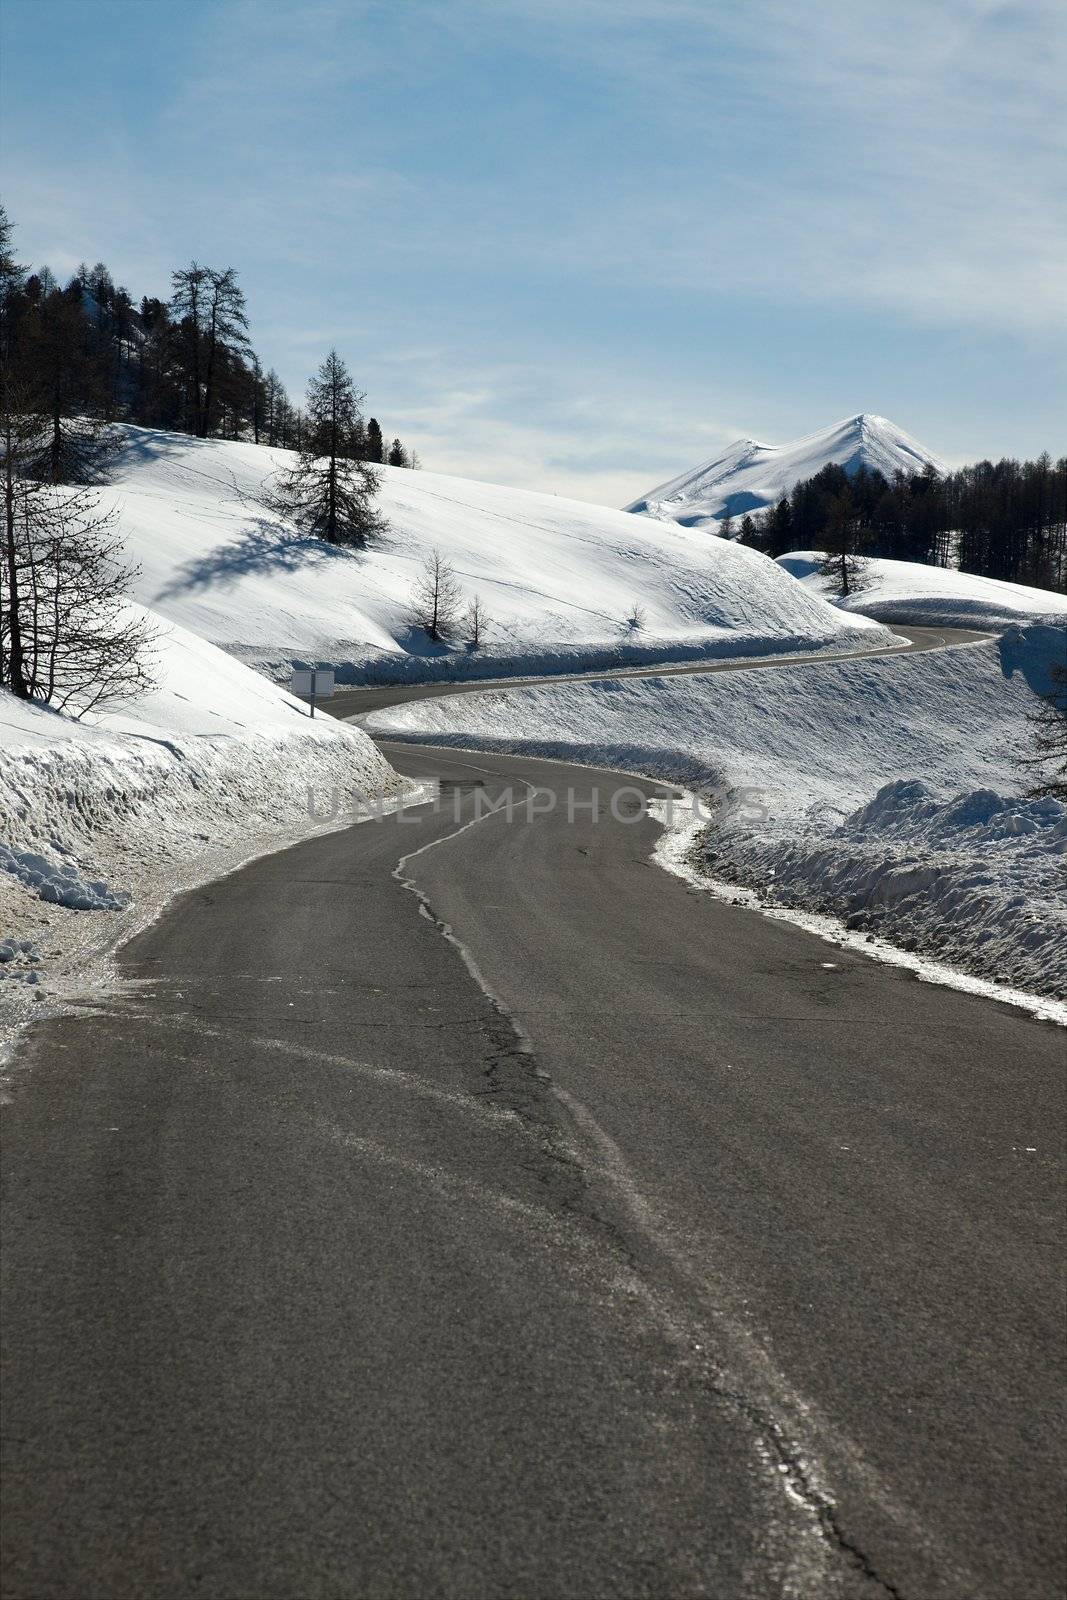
[(352, 702), (521, 1222)]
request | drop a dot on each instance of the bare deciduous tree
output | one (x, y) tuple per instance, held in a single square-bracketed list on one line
[(435, 598), (475, 622), (67, 635)]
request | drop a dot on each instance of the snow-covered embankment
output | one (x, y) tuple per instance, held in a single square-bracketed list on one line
[(102, 821)]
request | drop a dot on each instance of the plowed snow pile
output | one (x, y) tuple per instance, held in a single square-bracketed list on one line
[(558, 578), (884, 792), (101, 822)]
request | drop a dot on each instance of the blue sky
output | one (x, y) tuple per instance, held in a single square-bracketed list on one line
[(579, 245)]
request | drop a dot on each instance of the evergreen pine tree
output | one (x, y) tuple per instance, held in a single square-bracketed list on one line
[(64, 382), (226, 336), (190, 286), (779, 528), (330, 492), (374, 446)]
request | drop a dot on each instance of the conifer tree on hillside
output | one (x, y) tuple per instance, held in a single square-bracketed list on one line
[(277, 411), (12, 276), (86, 354), (64, 382), (398, 456), (10, 272), (843, 538), (374, 447), (750, 532), (475, 622), (214, 325), (258, 393), (778, 528), (190, 291), (227, 335), (331, 490)]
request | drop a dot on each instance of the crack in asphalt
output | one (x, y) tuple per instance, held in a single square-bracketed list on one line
[(529, 1093)]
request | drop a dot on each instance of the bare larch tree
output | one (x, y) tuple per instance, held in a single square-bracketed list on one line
[(435, 598), (475, 622), (67, 636)]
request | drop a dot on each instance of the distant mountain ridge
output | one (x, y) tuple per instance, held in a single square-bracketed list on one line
[(749, 475)]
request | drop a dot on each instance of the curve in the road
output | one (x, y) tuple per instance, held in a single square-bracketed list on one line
[(351, 703), (616, 1244)]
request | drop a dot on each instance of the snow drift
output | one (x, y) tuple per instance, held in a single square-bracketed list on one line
[(749, 475), (906, 591), (559, 578), (882, 791)]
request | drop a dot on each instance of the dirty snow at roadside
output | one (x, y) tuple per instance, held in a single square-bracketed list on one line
[(885, 792), (100, 822)]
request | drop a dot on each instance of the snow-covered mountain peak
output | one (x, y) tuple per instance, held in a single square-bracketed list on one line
[(749, 475)]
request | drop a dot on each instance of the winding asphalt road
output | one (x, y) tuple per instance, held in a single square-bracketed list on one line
[(517, 1221)]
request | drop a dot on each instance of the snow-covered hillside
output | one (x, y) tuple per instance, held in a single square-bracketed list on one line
[(905, 591), (212, 766), (885, 792), (749, 475), (559, 578)]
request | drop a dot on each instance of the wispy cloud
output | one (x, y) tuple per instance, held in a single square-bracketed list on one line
[(519, 218), (520, 424), (910, 155)]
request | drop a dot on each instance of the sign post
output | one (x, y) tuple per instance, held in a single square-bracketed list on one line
[(312, 683)]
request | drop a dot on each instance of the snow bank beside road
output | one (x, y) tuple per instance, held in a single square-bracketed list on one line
[(977, 879), (211, 767), (907, 591), (805, 763)]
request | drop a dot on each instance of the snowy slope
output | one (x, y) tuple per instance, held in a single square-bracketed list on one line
[(213, 765), (905, 591), (885, 792), (749, 475), (558, 577)]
